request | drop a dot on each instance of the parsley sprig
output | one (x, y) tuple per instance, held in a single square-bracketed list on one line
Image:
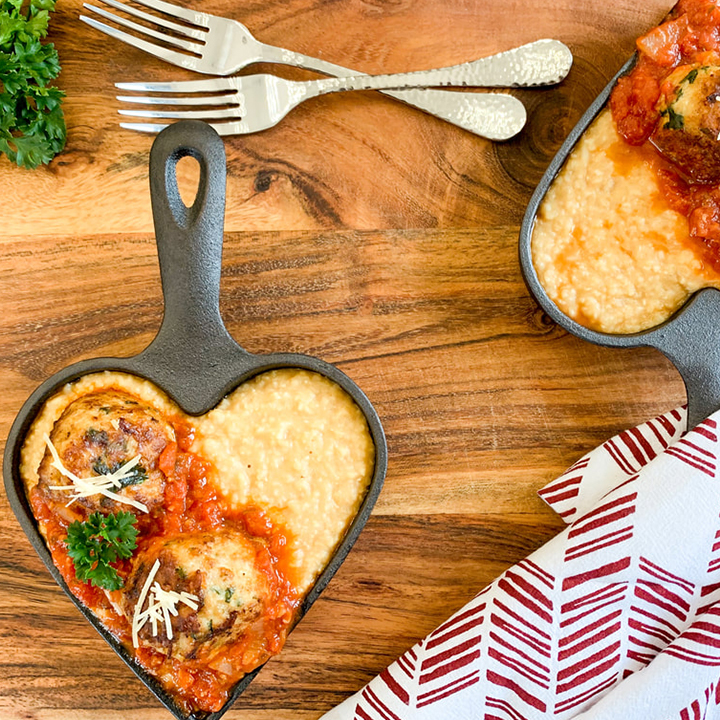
[(32, 126), (99, 541)]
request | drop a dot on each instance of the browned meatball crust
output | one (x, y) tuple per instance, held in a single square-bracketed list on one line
[(96, 435)]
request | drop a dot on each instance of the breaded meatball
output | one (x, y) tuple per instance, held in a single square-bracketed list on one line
[(689, 126), (96, 435), (220, 571)]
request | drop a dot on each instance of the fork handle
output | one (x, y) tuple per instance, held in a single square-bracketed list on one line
[(495, 70), (538, 63), (494, 116), (542, 62)]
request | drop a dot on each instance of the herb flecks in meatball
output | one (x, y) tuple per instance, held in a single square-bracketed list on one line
[(219, 586), (97, 435), (689, 126)]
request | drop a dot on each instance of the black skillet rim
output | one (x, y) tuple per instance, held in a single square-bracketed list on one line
[(528, 224)]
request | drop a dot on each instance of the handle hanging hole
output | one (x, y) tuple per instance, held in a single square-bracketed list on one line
[(188, 179)]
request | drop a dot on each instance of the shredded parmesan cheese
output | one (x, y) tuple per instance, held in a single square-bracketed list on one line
[(161, 605), (95, 484)]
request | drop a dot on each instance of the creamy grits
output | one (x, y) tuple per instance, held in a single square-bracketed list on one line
[(607, 248)]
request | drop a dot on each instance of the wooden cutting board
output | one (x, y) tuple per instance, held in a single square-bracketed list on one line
[(360, 231)]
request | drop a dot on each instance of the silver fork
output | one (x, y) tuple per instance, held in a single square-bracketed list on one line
[(220, 46), (258, 102)]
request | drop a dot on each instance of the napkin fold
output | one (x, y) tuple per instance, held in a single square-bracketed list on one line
[(618, 616)]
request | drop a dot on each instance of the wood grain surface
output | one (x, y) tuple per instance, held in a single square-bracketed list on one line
[(360, 231)]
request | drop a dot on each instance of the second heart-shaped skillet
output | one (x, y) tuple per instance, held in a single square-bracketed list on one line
[(193, 358), (690, 339)]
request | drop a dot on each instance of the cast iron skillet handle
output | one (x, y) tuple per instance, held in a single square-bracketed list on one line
[(691, 341), (192, 346)]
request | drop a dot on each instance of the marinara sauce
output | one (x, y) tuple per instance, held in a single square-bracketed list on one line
[(191, 504), (690, 36)]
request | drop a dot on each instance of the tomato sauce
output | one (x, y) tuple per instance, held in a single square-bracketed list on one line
[(690, 36), (191, 504)]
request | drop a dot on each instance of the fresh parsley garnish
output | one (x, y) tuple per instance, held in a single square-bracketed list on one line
[(99, 541), (32, 126)]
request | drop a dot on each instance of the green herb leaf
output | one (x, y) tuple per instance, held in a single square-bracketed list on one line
[(137, 475), (99, 541), (97, 436), (675, 121), (32, 126), (691, 76)]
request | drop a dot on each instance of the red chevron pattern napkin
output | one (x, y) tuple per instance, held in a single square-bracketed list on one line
[(616, 617)]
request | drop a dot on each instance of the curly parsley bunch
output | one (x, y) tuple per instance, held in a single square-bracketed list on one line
[(99, 541), (32, 126)]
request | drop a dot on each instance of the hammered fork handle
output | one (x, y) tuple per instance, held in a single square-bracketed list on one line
[(540, 63), (543, 62)]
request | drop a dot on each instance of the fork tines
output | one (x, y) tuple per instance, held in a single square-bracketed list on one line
[(211, 85), (217, 106), (220, 128), (189, 38)]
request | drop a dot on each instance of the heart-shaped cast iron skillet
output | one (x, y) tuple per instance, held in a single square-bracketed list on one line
[(192, 358), (690, 339)]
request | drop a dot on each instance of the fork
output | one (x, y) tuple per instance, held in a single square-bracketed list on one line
[(221, 46), (258, 102)]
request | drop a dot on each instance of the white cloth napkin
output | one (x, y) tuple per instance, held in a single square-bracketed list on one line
[(616, 617)]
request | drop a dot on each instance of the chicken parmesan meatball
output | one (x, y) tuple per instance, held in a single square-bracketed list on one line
[(97, 435), (215, 586), (689, 126)]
